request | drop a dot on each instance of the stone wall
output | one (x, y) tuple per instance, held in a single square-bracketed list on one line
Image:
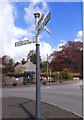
[(11, 80)]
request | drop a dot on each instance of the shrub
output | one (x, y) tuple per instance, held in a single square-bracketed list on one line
[(66, 74)]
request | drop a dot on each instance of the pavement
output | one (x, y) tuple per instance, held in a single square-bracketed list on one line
[(16, 108)]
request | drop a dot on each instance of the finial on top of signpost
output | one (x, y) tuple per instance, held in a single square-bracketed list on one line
[(36, 14)]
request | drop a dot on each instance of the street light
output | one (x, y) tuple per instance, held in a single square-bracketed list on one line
[(38, 91)]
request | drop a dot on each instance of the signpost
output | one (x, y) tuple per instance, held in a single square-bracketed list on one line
[(39, 26)]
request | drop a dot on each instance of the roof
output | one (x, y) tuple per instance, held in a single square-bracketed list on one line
[(29, 66)]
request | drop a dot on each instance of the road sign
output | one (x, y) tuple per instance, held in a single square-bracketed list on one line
[(47, 18), (20, 43), (47, 29), (40, 20)]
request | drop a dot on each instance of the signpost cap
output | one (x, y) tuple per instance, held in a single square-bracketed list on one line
[(36, 14)]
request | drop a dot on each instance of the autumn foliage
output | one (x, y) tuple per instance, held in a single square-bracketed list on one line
[(70, 56)]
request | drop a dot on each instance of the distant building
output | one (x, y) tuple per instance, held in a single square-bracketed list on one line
[(28, 66), (28, 69)]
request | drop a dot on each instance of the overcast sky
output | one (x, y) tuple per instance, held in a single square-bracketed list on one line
[(17, 23)]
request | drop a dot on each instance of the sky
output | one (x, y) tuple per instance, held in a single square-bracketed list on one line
[(17, 23)]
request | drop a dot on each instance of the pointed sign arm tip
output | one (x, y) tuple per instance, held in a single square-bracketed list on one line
[(47, 29)]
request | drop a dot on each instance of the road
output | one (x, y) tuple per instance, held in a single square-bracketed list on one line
[(68, 96)]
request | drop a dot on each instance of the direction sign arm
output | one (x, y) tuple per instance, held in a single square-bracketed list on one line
[(40, 20), (47, 29)]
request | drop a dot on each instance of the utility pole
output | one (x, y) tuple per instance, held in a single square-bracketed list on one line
[(47, 66), (50, 75)]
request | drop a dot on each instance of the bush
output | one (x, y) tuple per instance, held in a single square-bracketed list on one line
[(56, 76), (10, 74), (66, 74), (18, 75)]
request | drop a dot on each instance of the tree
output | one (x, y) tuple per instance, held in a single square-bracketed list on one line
[(71, 57), (43, 66), (5, 60), (11, 62), (23, 61), (17, 63), (32, 56), (31, 52), (8, 63)]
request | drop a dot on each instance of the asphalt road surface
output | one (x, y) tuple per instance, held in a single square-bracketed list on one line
[(68, 96)]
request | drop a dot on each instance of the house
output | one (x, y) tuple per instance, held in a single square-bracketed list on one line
[(28, 66), (28, 69)]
